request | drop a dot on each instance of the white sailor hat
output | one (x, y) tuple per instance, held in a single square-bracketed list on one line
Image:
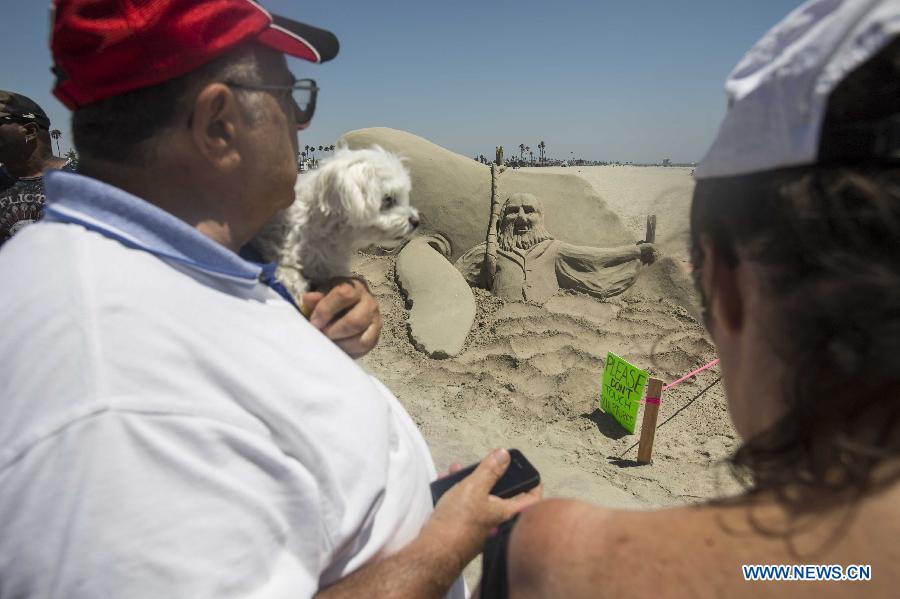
[(778, 93)]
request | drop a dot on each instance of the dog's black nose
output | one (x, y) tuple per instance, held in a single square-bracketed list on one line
[(414, 221)]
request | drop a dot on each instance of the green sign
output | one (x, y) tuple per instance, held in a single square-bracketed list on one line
[(623, 389)]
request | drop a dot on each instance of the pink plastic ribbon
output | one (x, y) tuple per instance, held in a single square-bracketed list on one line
[(696, 372), (652, 400)]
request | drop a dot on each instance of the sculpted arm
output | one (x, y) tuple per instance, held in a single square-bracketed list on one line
[(597, 257), (601, 272), (470, 265)]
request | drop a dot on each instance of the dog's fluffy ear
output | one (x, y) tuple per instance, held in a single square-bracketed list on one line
[(388, 154), (391, 155), (340, 187)]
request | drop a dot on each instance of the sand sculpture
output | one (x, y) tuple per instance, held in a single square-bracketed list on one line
[(438, 301), (530, 375), (453, 196), (530, 265)]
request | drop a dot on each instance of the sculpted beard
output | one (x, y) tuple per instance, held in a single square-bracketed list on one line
[(508, 240)]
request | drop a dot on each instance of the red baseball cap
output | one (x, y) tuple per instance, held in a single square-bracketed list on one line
[(104, 48)]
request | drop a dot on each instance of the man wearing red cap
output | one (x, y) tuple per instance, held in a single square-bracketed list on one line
[(172, 426)]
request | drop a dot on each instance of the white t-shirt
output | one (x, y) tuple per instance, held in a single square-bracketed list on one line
[(171, 431)]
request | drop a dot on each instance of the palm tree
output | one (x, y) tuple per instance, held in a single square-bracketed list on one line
[(528, 151), (71, 155), (321, 148), (532, 156), (541, 147), (56, 134), (521, 151)]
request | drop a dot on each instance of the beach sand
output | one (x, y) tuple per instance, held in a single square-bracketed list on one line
[(530, 376)]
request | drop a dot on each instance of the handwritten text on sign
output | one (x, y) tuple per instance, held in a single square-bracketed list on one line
[(623, 388)]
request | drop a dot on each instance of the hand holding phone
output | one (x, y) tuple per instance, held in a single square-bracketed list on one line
[(520, 476), (468, 511)]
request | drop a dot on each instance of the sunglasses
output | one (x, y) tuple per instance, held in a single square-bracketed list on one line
[(303, 92)]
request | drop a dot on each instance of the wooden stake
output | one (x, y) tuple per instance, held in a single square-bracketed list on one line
[(648, 426), (650, 236)]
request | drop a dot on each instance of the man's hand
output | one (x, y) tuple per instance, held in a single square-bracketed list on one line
[(450, 539), (467, 513), (347, 314)]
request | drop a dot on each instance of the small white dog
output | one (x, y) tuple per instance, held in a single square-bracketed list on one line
[(355, 199)]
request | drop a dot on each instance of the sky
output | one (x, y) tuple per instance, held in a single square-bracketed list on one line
[(632, 80)]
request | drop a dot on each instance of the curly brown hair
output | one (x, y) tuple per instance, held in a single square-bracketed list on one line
[(827, 239)]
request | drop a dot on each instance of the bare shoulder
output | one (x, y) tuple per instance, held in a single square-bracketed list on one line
[(575, 549), (565, 548)]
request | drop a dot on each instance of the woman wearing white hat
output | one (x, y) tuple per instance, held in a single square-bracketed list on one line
[(796, 250)]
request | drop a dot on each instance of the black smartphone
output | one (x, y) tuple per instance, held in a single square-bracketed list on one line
[(520, 476)]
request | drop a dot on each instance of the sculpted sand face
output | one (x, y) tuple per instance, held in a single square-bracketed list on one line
[(522, 224)]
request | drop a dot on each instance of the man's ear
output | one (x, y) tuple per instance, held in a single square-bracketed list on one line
[(721, 289), (216, 125), (30, 131)]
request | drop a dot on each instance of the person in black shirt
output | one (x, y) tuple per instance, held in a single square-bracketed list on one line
[(6, 179), (26, 154)]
